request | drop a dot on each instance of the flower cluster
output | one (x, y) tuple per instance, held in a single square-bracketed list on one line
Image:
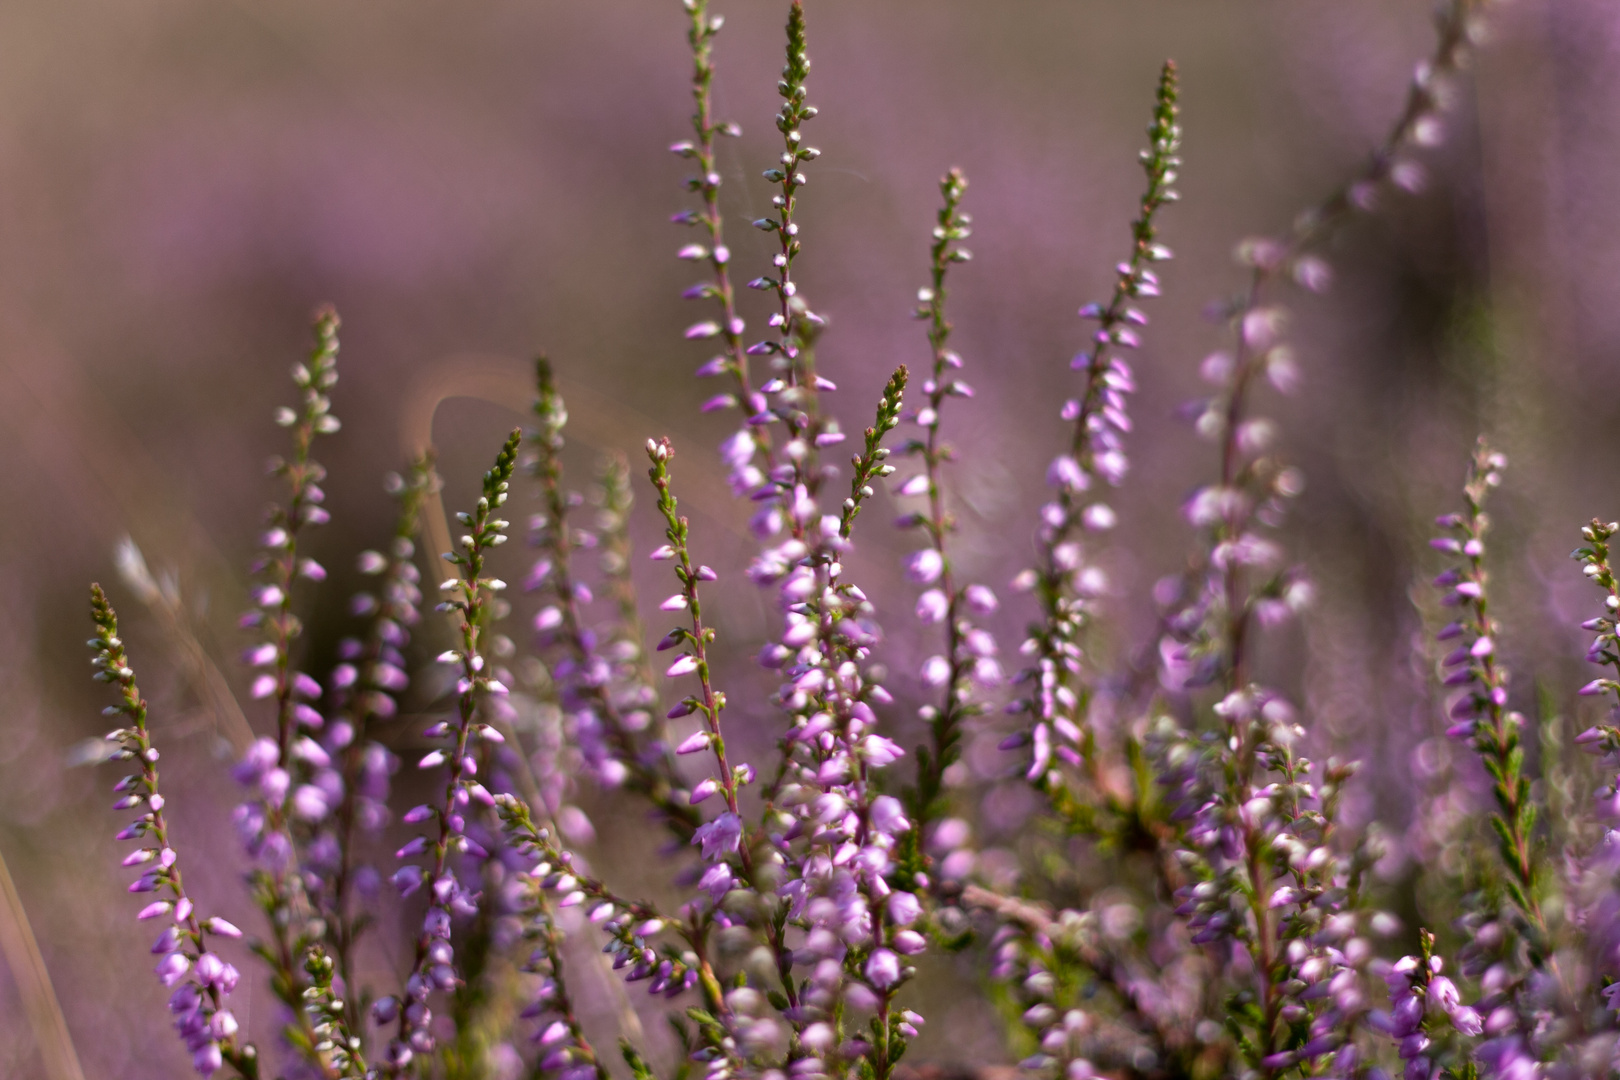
[(291, 776), (363, 689), (1419, 992), (969, 658), (1069, 581), (202, 981), (603, 690), (1479, 704), (327, 1016), (471, 597), (1191, 896)]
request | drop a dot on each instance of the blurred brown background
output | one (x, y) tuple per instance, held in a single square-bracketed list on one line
[(181, 181)]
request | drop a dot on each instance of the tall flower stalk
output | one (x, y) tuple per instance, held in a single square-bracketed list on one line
[(202, 981), (789, 319), (612, 733), (470, 599), (793, 395), (281, 565), (970, 651), (276, 824), (365, 684), (694, 641), (1066, 582), (1478, 708), (1197, 649), (754, 438), (328, 1017)]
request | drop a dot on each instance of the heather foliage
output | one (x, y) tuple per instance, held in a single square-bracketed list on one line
[(1193, 900)]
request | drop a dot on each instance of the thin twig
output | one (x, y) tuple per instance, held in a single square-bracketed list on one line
[(33, 979)]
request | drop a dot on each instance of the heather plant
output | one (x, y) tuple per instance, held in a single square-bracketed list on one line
[(1192, 899)]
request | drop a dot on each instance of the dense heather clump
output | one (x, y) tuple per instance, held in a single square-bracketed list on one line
[(1226, 921)]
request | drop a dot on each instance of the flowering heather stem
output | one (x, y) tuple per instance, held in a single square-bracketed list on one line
[(1605, 648), (613, 525), (1265, 944), (615, 752), (268, 826), (753, 442), (556, 873), (730, 327), (556, 997), (282, 564), (708, 702), (726, 834), (796, 390), (1215, 595), (1063, 583), (869, 464), (1597, 910), (1479, 713), (472, 596), (631, 924), (373, 671), (327, 1015), (793, 114), (832, 749), (208, 1028), (1418, 125), (1420, 996), (944, 602), (1053, 941)]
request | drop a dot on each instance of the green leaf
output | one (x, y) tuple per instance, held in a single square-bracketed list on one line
[(638, 1064)]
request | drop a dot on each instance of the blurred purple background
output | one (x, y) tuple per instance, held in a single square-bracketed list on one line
[(182, 181)]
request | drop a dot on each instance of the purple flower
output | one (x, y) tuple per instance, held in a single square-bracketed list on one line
[(888, 816), (925, 566), (1065, 472), (883, 969), (172, 968), (719, 837), (932, 606), (904, 908)]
